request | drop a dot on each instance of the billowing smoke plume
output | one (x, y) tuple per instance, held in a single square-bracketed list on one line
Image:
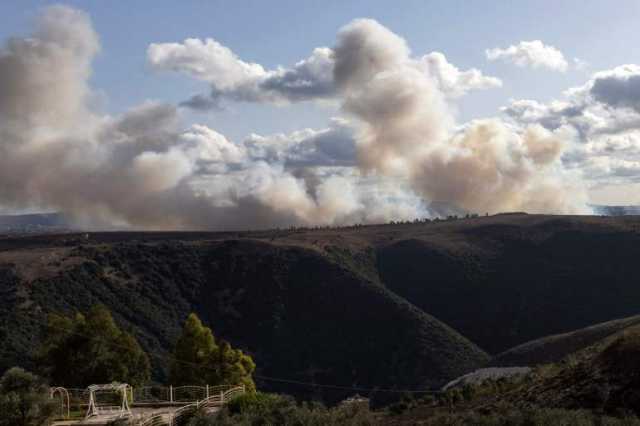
[(143, 169), (139, 169), (407, 131)]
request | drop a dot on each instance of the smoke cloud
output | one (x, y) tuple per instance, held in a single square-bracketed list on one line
[(310, 79), (407, 130), (396, 149)]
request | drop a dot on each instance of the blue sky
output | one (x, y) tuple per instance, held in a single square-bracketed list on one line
[(287, 129), (283, 32)]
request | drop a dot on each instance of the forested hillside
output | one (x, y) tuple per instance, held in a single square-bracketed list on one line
[(393, 306)]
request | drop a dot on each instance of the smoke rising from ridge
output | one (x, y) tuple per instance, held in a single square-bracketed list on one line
[(407, 130), (399, 150)]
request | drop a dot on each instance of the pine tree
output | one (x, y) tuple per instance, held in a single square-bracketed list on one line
[(193, 348), (199, 360)]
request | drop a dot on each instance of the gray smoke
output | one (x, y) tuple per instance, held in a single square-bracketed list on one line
[(407, 131), (139, 169), (143, 169)]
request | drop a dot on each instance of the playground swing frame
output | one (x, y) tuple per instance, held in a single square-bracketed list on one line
[(95, 409)]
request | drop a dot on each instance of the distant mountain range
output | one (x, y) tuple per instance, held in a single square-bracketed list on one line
[(33, 223), (616, 210)]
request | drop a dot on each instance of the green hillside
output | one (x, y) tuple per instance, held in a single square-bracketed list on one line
[(389, 306), (301, 316)]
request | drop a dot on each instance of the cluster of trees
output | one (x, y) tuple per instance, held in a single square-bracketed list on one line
[(434, 220), (85, 349), (416, 221)]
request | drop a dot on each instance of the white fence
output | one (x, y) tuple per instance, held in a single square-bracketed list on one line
[(213, 401), (187, 398), (154, 395)]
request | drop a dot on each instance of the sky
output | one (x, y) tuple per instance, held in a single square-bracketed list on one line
[(538, 65), (283, 32)]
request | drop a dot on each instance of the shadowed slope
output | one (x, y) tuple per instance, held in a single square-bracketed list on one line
[(301, 315), (554, 348)]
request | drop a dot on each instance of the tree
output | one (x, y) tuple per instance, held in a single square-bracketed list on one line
[(199, 360), (24, 399), (79, 351)]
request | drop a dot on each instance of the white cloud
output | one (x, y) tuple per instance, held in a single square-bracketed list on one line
[(309, 79), (534, 54), (454, 82), (206, 60), (232, 78), (604, 114), (619, 87), (333, 146), (208, 146)]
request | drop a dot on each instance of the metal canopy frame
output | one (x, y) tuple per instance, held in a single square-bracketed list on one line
[(95, 409)]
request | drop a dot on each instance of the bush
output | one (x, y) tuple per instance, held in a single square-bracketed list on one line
[(270, 409), (622, 356), (24, 399), (256, 402)]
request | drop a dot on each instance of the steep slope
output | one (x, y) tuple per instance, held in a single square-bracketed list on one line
[(604, 376), (502, 283), (553, 348), (598, 385), (301, 315)]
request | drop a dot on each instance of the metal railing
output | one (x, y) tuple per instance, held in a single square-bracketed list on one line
[(216, 400), (170, 395), (152, 394), (156, 419), (190, 399)]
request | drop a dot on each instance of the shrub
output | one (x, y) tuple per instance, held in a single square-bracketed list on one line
[(24, 399), (270, 409), (622, 356)]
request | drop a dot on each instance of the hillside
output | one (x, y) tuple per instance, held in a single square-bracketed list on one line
[(597, 385), (504, 282), (604, 376), (302, 316), (405, 306), (553, 348)]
